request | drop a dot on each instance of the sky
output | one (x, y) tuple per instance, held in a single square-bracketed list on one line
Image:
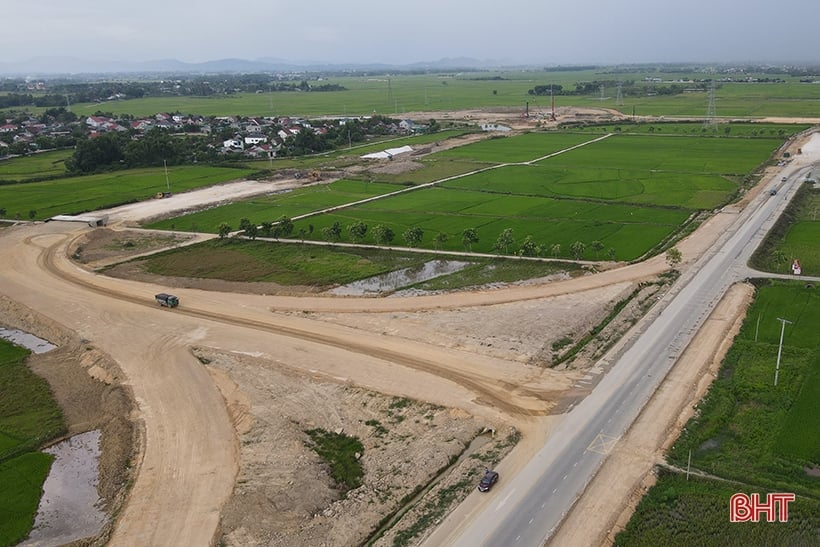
[(546, 32)]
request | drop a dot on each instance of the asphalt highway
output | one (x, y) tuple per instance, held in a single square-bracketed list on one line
[(530, 507)]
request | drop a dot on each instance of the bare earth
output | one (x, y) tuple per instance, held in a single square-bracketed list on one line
[(221, 390)]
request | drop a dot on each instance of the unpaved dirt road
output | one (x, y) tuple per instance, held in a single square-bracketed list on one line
[(189, 461)]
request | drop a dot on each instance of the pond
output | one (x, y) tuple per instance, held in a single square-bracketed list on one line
[(391, 281), (69, 507), (28, 341)]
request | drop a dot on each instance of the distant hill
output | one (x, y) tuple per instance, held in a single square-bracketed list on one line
[(42, 66)]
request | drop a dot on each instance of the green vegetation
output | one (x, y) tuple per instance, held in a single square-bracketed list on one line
[(680, 513), (270, 208), (325, 266), (35, 166), (21, 480), (88, 193), (795, 235), (365, 94), (29, 417), (341, 453), (760, 437)]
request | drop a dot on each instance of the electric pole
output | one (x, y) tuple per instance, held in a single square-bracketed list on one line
[(780, 347)]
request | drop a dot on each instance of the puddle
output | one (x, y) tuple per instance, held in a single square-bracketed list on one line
[(69, 506), (391, 281), (28, 341)]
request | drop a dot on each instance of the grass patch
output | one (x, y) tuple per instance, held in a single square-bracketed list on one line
[(35, 166), (339, 451), (29, 417), (88, 193), (21, 480), (677, 512), (485, 271), (747, 430)]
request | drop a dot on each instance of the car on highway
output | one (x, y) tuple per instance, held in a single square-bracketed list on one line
[(488, 480), (773, 192)]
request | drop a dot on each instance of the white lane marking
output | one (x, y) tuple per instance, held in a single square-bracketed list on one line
[(505, 500)]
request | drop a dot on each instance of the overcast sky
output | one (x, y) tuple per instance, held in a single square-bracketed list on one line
[(396, 32)]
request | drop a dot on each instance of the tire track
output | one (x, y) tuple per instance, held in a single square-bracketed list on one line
[(490, 392)]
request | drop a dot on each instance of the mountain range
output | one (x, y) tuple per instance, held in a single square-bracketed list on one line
[(41, 66)]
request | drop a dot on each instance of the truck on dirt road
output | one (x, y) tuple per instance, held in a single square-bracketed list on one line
[(167, 300)]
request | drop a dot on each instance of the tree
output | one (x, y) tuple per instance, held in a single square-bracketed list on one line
[(504, 241), (555, 250), (32, 213), (286, 224), (357, 230), (2, 211), (468, 238), (778, 257), (251, 231), (266, 228), (383, 234), (597, 246), (528, 247), (244, 223), (223, 230), (333, 232), (673, 257), (577, 249), (611, 253), (413, 236), (440, 239)]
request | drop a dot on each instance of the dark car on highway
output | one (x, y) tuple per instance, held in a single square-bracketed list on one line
[(488, 480)]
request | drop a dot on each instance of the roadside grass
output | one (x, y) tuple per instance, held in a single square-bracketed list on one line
[(29, 417), (88, 193), (35, 166), (761, 437), (794, 235), (679, 512)]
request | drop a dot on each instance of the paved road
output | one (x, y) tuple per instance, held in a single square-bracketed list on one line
[(531, 506)]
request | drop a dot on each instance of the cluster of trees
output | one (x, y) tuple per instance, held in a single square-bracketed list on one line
[(119, 151), (628, 88), (381, 234), (60, 92)]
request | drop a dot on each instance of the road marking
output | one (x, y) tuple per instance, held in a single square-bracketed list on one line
[(602, 444), (532, 519), (554, 490), (502, 502), (565, 478)]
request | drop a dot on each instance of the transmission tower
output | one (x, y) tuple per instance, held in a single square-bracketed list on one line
[(711, 116), (619, 98), (601, 87)]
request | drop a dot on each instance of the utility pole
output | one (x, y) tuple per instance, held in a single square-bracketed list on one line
[(167, 182), (780, 348)]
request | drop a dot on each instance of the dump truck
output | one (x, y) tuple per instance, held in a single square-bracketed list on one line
[(167, 300)]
